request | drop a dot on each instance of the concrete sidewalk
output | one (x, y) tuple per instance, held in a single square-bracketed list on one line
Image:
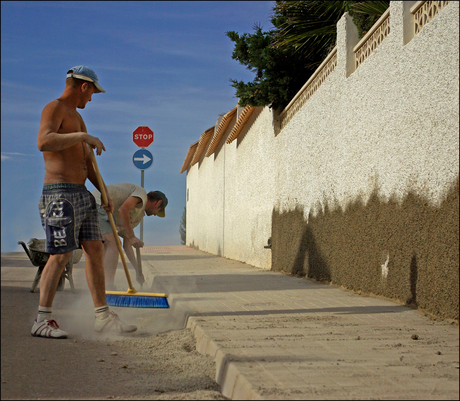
[(275, 336)]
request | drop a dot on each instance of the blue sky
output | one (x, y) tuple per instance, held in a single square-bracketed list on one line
[(164, 64)]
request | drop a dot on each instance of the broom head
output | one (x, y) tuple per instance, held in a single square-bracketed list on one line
[(132, 299)]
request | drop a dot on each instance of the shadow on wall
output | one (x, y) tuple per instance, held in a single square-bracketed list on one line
[(408, 251)]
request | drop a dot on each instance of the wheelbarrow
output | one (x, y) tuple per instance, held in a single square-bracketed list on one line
[(38, 256)]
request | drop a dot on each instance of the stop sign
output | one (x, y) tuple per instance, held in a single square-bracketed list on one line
[(143, 136)]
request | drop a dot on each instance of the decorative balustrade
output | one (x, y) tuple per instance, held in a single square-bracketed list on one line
[(188, 158), (372, 39), (242, 119), (424, 12), (310, 87), (204, 139), (226, 119)]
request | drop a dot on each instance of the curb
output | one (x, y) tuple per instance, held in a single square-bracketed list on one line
[(233, 384)]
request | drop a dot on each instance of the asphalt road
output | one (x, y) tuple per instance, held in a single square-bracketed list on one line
[(162, 364)]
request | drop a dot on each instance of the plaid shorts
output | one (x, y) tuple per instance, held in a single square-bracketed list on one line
[(68, 213)]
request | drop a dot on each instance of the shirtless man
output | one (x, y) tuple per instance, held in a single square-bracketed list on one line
[(67, 209)]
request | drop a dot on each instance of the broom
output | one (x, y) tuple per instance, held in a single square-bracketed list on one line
[(130, 298)]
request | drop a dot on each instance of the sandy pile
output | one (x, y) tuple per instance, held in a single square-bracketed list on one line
[(168, 367)]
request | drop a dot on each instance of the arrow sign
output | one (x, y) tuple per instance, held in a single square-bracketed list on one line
[(142, 159)]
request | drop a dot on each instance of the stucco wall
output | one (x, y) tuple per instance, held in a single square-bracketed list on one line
[(229, 214), (361, 187)]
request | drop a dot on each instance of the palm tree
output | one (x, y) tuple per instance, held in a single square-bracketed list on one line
[(284, 58), (309, 26)]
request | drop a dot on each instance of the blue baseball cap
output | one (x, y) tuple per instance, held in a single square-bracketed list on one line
[(86, 74)]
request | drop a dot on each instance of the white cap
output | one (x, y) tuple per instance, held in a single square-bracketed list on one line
[(87, 74)]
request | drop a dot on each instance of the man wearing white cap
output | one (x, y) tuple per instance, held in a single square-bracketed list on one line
[(85, 73), (130, 204), (67, 209)]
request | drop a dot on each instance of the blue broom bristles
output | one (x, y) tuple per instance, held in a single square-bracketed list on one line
[(136, 301)]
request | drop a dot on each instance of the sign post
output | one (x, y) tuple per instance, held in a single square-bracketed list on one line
[(143, 137)]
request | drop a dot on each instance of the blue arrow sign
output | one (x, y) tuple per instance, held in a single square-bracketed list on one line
[(142, 159)]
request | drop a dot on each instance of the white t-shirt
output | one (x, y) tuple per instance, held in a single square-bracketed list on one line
[(119, 193)]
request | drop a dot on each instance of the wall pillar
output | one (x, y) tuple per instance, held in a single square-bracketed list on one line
[(347, 38), (401, 21)]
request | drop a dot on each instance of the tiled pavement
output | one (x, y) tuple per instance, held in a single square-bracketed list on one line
[(275, 336)]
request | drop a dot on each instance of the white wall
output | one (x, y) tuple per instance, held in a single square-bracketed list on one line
[(393, 124), (230, 214)]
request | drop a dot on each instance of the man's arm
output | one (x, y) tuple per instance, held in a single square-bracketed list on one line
[(124, 209), (130, 253), (50, 140), (92, 176)]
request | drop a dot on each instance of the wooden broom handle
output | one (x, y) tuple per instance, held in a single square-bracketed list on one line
[(112, 222)]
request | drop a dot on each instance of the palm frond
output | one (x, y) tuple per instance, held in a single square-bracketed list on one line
[(373, 8)]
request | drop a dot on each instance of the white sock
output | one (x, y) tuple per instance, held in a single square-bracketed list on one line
[(44, 313), (102, 312)]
